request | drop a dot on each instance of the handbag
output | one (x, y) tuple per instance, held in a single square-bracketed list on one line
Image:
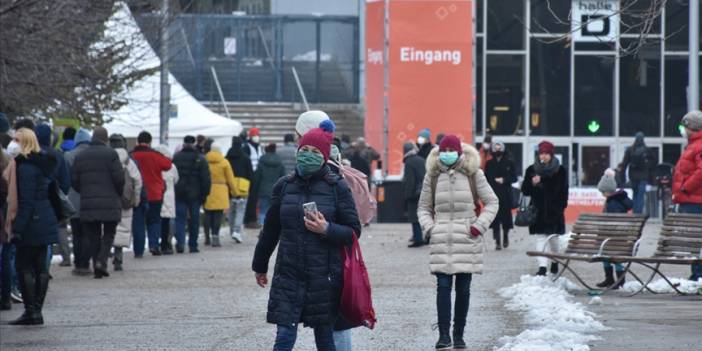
[(356, 304), (526, 213), (63, 208)]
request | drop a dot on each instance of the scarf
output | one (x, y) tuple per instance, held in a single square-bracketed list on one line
[(547, 169)]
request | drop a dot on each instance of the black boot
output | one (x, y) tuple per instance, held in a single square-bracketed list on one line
[(609, 278), (42, 286), (496, 235), (117, 260), (505, 243), (207, 238), (215, 241), (542, 271), (28, 286), (458, 343), (444, 342), (554, 268), (621, 275)]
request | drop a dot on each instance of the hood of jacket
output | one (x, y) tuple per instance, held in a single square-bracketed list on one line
[(214, 157), (123, 155), (82, 136), (43, 133), (270, 160), (469, 162)]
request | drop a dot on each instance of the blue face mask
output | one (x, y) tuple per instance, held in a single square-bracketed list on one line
[(448, 157)]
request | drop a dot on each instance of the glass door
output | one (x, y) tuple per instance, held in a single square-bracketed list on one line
[(595, 159)]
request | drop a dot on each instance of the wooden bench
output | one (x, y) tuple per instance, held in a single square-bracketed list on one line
[(680, 243), (596, 237)]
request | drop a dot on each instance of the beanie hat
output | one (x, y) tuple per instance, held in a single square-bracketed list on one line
[(546, 147), (321, 138), (69, 133), (607, 183), (4, 123), (117, 141), (693, 120), (100, 135), (450, 141), (254, 132), (408, 146), (43, 132), (189, 139), (425, 133), (308, 120)]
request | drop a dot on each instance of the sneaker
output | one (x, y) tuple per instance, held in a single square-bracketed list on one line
[(167, 251), (415, 244), (155, 252), (498, 247), (194, 250), (81, 272), (180, 249), (16, 296), (236, 237)]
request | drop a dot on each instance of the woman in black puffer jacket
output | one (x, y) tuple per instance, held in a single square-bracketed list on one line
[(308, 272), (35, 226)]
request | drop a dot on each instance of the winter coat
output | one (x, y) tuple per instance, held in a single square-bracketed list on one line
[(636, 172), (152, 165), (550, 197), (619, 202), (168, 209), (687, 178), (194, 181), (123, 237), (70, 157), (241, 164), (306, 284), (60, 173), (447, 212), (270, 169), (36, 223), (254, 151), (425, 149), (222, 182), (412, 179), (67, 145), (288, 155), (97, 175), (502, 168)]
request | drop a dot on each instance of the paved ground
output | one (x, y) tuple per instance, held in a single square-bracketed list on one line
[(209, 301)]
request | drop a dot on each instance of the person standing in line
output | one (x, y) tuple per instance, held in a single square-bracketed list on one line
[(638, 161), (617, 201), (68, 139), (546, 181), (687, 178), (98, 177), (450, 215), (424, 143), (485, 151), (80, 238), (413, 176), (243, 172), (200, 144), (320, 236), (168, 209), (254, 151), (270, 169), (501, 173), (223, 186), (5, 270), (131, 196), (63, 179), (34, 224), (191, 191), (151, 165), (287, 153)]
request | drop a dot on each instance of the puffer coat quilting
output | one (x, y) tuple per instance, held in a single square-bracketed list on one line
[(447, 212)]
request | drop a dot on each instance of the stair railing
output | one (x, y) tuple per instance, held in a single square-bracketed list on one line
[(219, 90), (299, 88)]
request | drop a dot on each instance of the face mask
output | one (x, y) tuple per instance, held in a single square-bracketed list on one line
[(448, 157), (421, 140), (255, 139), (309, 162), (486, 146), (683, 133), (13, 149), (334, 154)]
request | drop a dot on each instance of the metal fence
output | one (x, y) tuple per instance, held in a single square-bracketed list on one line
[(253, 56)]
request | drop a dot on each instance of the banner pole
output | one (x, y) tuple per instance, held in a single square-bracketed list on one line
[(386, 87)]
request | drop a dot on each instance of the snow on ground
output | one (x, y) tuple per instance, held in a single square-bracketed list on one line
[(661, 286), (555, 322)]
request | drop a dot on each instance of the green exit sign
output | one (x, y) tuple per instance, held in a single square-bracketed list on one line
[(593, 127)]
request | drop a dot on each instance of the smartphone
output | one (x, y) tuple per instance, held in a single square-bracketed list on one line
[(310, 210)]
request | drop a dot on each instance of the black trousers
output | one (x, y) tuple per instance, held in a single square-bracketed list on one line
[(102, 235), (496, 234), (166, 234), (214, 220), (81, 245)]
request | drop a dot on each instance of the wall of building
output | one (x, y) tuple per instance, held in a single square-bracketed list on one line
[(308, 7)]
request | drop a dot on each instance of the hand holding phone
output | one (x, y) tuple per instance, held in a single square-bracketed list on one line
[(310, 210)]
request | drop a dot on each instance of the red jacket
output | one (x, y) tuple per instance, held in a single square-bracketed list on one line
[(151, 163), (687, 179)]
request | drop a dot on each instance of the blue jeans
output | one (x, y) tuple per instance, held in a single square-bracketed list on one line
[(342, 340), (444, 283), (187, 211), (639, 188), (417, 233), (264, 203), (617, 266), (235, 216), (153, 224), (696, 269), (287, 334), (139, 228)]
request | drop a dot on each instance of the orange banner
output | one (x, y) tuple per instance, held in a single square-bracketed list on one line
[(375, 80), (430, 72)]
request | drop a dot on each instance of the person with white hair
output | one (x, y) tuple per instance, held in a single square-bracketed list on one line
[(223, 186)]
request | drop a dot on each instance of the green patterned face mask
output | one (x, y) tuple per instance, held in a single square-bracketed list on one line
[(309, 162)]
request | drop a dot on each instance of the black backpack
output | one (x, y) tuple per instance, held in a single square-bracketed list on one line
[(639, 157)]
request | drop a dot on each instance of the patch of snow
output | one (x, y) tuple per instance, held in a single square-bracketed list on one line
[(661, 286), (595, 300), (555, 321)]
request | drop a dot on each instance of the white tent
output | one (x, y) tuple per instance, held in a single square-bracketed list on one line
[(142, 111)]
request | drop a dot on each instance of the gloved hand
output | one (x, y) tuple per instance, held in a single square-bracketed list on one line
[(474, 231)]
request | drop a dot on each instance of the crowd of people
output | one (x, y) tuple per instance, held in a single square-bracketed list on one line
[(86, 185)]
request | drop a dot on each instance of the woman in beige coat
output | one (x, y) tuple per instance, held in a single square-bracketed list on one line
[(452, 217)]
